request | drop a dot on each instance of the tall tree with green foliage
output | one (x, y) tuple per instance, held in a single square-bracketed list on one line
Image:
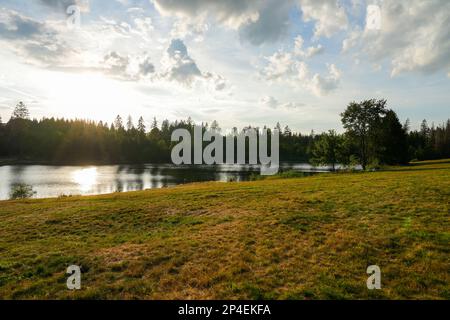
[(118, 123), (83, 141), (20, 111), (327, 149), (361, 120), (215, 126), (391, 140), (130, 125), (141, 125), (154, 123)]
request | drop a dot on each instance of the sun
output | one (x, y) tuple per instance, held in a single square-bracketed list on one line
[(88, 96)]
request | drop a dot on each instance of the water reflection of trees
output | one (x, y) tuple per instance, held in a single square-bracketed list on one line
[(121, 178)]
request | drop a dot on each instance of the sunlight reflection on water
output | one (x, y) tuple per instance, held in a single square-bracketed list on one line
[(86, 178), (54, 181)]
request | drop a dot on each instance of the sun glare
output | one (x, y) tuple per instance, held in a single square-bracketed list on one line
[(85, 178), (89, 96)]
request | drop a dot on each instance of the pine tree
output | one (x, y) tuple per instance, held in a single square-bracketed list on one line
[(407, 125), (424, 129), (154, 123), (392, 144), (118, 124), (287, 131), (20, 111), (215, 126), (141, 125), (165, 127), (278, 127), (130, 125)]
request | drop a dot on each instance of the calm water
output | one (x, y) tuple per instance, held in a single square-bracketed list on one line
[(53, 181)]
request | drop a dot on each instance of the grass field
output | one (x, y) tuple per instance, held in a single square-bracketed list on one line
[(299, 238)]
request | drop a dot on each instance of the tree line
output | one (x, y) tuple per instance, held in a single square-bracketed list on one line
[(373, 136)]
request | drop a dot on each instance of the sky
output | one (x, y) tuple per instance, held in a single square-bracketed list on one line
[(240, 62)]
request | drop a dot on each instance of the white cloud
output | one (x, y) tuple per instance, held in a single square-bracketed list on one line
[(146, 67), (308, 52), (36, 42), (143, 27), (62, 5), (51, 45), (113, 27), (230, 12), (329, 16), (292, 105), (271, 102), (116, 64), (127, 67), (178, 66), (257, 21), (98, 50), (285, 67), (184, 27), (353, 37), (218, 82), (272, 23), (414, 36), (321, 86)]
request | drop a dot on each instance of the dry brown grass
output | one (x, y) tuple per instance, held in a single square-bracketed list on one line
[(305, 238)]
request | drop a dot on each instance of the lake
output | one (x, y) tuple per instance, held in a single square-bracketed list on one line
[(53, 181)]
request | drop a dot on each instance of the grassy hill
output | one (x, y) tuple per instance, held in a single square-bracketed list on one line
[(301, 238)]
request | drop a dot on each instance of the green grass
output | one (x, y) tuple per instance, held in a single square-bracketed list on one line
[(297, 238)]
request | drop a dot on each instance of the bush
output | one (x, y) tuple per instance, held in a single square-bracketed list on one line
[(21, 191), (354, 161), (255, 177), (292, 174), (374, 165), (280, 175)]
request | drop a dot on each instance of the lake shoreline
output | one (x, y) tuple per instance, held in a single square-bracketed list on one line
[(13, 161), (52, 180), (220, 239)]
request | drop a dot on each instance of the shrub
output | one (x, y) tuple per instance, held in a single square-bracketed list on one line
[(255, 177), (374, 165), (21, 191), (292, 174)]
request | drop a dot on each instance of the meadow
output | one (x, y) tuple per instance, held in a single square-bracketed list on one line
[(280, 238)]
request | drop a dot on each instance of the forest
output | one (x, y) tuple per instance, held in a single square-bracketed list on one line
[(373, 136)]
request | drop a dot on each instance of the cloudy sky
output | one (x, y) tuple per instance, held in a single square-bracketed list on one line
[(240, 62)]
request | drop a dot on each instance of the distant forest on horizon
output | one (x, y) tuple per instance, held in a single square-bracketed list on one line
[(373, 135)]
